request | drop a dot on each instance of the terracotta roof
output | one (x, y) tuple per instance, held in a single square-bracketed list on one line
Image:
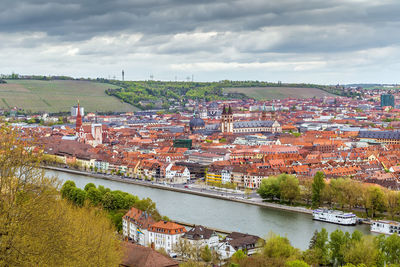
[(167, 228), (140, 218), (139, 256)]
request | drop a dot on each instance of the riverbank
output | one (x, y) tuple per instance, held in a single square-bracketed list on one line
[(216, 195), (218, 213)]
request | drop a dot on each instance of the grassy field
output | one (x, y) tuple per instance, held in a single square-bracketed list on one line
[(55, 96), (278, 92)]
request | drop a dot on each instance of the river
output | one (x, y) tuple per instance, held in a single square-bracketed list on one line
[(221, 214)]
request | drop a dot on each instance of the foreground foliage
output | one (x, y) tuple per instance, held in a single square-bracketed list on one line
[(335, 249), (117, 203), (37, 227)]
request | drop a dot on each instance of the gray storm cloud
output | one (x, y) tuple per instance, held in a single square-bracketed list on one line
[(289, 40)]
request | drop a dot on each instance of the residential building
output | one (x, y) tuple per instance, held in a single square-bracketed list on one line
[(205, 158), (249, 244), (165, 234), (175, 174), (135, 225), (202, 236)]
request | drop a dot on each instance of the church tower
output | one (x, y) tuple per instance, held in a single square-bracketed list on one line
[(78, 124), (264, 113), (273, 113), (227, 120)]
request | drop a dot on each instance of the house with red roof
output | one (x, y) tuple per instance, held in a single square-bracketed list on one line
[(135, 224), (165, 235), (175, 174)]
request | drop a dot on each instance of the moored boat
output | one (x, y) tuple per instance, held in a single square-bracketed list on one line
[(335, 216), (385, 227)]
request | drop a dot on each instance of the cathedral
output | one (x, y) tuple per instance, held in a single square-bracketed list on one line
[(229, 126)]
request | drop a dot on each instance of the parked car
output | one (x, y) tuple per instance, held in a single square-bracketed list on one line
[(173, 255)]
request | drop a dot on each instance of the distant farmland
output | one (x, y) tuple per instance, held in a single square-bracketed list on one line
[(56, 96), (278, 92)]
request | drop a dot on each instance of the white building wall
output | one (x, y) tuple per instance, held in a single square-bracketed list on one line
[(225, 177), (165, 241)]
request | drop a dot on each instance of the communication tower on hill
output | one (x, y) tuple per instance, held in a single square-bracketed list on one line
[(123, 75)]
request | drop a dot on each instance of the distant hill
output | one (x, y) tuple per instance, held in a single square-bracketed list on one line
[(151, 94), (278, 92), (374, 86), (59, 96)]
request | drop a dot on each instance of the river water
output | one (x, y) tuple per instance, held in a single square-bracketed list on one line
[(221, 214)]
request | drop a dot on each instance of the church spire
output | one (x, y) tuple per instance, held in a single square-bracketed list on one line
[(78, 119), (264, 113)]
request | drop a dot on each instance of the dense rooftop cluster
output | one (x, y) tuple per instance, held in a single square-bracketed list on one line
[(342, 137)]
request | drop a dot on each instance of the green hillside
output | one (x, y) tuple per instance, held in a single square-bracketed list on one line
[(149, 94), (278, 92), (59, 95)]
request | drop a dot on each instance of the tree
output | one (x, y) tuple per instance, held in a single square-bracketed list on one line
[(338, 188), (353, 192), (289, 188), (279, 249), (183, 248), (328, 195), (306, 190), (391, 249), (247, 192), (317, 186), (88, 186), (393, 199), (37, 226), (191, 263), (94, 195), (67, 188), (238, 256), (318, 253), (130, 200), (216, 257), (108, 201), (206, 254), (364, 251), (376, 200), (356, 236), (269, 188), (78, 196), (296, 263), (338, 244), (146, 204)]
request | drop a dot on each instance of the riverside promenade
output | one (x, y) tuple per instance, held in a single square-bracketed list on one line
[(235, 197)]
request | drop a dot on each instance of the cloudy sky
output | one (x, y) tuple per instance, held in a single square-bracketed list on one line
[(319, 41)]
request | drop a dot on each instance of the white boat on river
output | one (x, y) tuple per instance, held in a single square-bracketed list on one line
[(385, 227), (335, 216)]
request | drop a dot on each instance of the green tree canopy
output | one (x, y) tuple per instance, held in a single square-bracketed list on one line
[(289, 188), (317, 186)]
